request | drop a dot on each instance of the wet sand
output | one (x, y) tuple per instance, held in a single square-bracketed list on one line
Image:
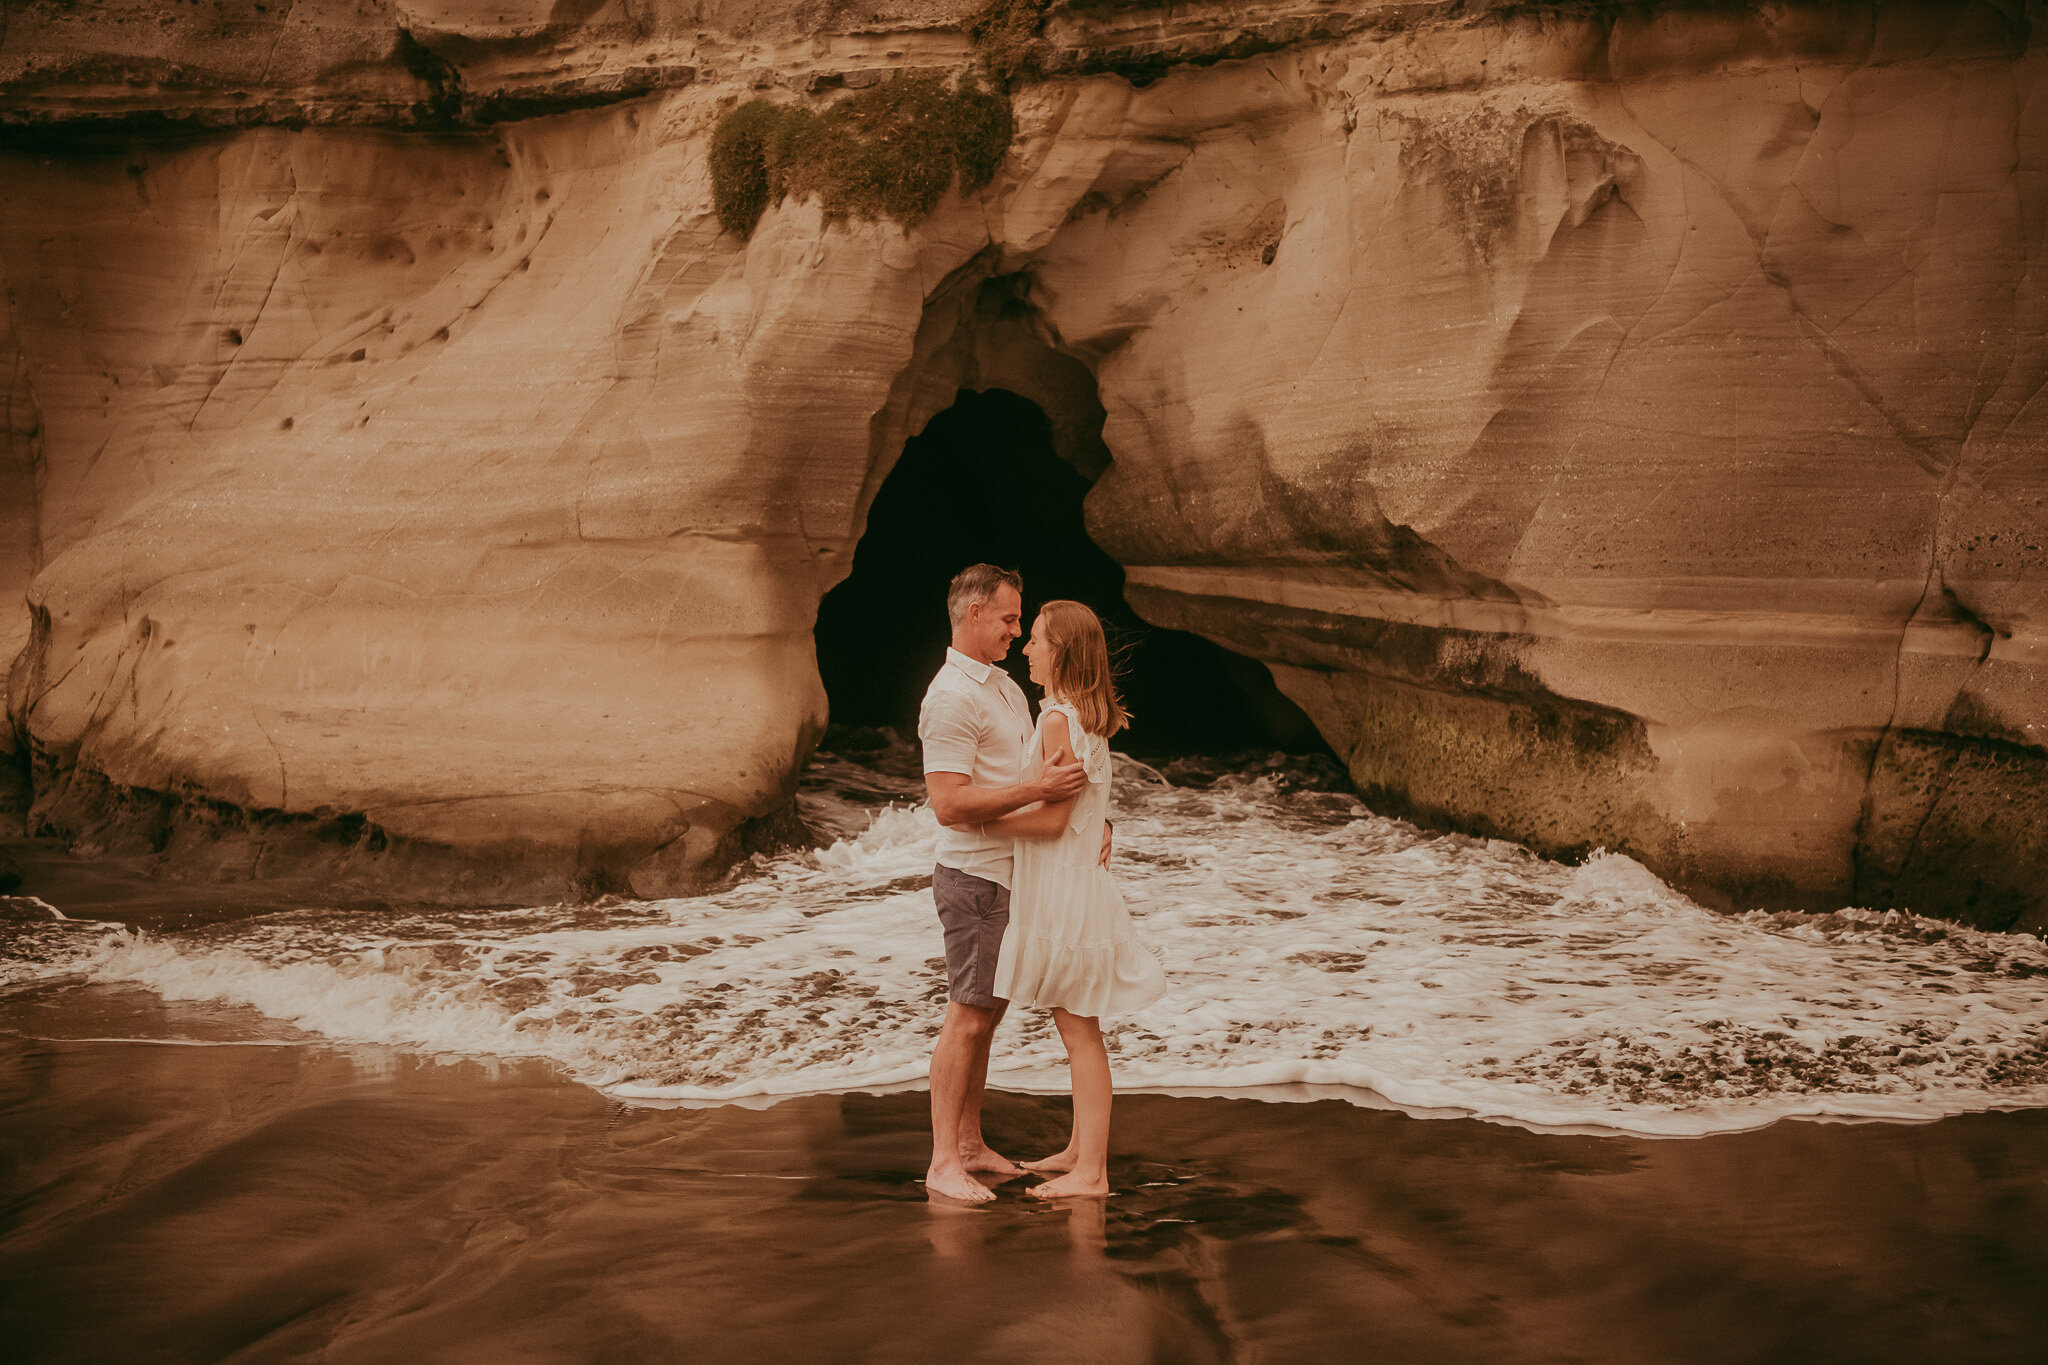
[(282, 1202)]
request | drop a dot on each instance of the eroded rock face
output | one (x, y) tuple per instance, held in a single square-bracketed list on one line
[(1637, 487), (331, 527), (1613, 431)]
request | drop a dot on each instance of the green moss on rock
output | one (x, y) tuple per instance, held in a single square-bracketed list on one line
[(892, 150), (740, 157)]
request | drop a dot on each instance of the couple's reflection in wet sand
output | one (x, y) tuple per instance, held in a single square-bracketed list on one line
[(1046, 1275), (955, 1232), (1137, 1276)]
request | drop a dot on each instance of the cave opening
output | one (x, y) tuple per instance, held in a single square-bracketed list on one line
[(984, 482)]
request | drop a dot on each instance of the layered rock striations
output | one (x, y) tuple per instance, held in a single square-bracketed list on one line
[(1616, 426)]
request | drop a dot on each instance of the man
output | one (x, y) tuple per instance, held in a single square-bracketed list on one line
[(975, 725)]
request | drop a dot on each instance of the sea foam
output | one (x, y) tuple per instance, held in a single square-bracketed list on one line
[(1308, 943)]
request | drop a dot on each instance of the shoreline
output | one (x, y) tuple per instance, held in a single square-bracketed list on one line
[(1034, 1085)]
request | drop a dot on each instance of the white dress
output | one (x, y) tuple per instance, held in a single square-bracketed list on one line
[(1071, 942)]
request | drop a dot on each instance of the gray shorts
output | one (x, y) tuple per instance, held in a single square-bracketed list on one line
[(974, 912)]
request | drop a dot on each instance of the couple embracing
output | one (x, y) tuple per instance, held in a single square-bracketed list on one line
[(1030, 913)]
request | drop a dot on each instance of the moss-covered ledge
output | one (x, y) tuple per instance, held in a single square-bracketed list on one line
[(891, 150)]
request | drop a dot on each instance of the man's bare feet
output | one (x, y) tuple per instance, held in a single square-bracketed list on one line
[(988, 1159), (957, 1184), (1072, 1186), (1058, 1161)]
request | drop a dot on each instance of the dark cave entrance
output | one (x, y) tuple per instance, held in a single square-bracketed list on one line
[(982, 482)]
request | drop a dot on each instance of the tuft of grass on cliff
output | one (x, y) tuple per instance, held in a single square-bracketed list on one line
[(1009, 36), (746, 156), (888, 151)]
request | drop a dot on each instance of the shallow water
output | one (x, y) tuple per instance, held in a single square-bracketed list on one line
[(1307, 941), (234, 1198)]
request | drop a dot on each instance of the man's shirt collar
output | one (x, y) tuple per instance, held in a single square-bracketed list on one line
[(973, 668)]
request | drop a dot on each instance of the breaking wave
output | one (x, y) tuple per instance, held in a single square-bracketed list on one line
[(1307, 942)]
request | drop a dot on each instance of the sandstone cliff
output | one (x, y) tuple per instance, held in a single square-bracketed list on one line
[(1615, 424)]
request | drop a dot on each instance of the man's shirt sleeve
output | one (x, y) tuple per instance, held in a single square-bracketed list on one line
[(951, 733)]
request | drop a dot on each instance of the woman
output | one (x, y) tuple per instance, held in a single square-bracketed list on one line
[(1071, 947)]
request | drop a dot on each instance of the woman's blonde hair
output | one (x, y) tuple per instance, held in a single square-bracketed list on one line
[(1080, 666)]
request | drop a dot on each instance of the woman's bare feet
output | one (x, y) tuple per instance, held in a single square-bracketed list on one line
[(1058, 1161), (955, 1183), (1073, 1186)]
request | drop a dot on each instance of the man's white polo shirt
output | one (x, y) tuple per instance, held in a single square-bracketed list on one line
[(975, 721)]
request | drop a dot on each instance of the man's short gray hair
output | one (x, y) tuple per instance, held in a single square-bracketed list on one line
[(975, 584)]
